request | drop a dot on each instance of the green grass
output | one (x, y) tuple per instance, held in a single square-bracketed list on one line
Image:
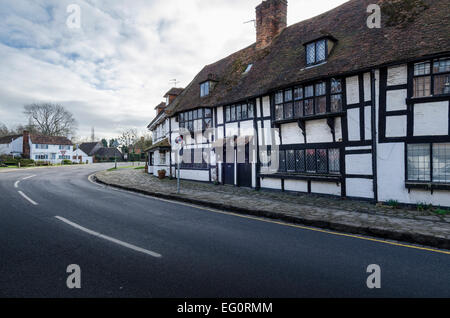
[(393, 203), (440, 211)]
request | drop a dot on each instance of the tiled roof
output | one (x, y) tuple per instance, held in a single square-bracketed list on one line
[(175, 91), (9, 139), (357, 48), (88, 147), (108, 153), (163, 144), (50, 140)]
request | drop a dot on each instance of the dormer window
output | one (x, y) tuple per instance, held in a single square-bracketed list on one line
[(316, 52), (205, 88)]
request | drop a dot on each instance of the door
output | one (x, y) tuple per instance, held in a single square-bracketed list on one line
[(244, 167)]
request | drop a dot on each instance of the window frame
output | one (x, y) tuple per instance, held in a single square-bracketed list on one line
[(186, 119), (301, 161), (233, 110), (431, 163), (304, 100), (432, 74), (315, 44)]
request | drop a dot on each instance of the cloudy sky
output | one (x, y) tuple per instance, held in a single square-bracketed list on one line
[(113, 70)]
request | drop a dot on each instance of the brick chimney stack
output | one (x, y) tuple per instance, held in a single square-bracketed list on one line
[(26, 145), (271, 19)]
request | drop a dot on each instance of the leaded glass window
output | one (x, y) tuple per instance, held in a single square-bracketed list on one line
[(419, 162)]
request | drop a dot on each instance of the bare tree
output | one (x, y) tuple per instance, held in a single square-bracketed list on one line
[(127, 139), (4, 131), (51, 119)]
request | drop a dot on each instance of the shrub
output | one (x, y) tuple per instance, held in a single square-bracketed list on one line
[(393, 203), (26, 162), (66, 162), (42, 163)]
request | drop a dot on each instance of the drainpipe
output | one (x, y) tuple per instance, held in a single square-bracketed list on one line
[(374, 135)]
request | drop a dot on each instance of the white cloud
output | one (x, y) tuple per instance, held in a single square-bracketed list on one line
[(113, 70)]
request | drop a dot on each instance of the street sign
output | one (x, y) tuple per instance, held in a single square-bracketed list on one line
[(179, 140)]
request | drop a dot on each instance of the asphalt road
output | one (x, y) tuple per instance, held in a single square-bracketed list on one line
[(202, 253)]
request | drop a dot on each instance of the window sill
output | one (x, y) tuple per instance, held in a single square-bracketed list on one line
[(427, 185), (298, 176), (311, 117), (436, 98)]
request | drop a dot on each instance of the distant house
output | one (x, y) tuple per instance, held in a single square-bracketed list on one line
[(53, 149), (79, 156), (11, 145), (98, 152)]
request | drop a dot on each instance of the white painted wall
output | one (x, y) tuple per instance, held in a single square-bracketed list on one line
[(396, 100), (325, 188), (368, 122), (318, 131), (396, 126), (296, 185), (359, 188), (358, 164), (291, 134), (352, 89), (391, 179), (431, 119), (397, 75), (52, 150), (354, 133), (197, 175), (266, 106), (271, 183), (367, 87)]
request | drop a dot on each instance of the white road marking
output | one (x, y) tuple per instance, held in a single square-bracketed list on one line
[(16, 184), (27, 198), (108, 238)]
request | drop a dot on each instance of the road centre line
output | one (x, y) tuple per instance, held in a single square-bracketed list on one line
[(27, 198)]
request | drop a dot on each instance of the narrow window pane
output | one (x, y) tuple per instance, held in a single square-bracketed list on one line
[(228, 114), (279, 112), (288, 95), (282, 160), (419, 162), (441, 66), (290, 160), (199, 113), (194, 114), (336, 103), (300, 160), (233, 113), (422, 68), (322, 161), (244, 111), (288, 111), (311, 53), (250, 109), (334, 160), (422, 86), (298, 109), (336, 86), (309, 91), (190, 115), (279, 97), (441, 163), (238, 112), (320, 89), (181, 117), (208, 112), (207, 123), (442, 84), (310, 160), (321, 105), (320, 51), (309, 107), (298, 93)]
